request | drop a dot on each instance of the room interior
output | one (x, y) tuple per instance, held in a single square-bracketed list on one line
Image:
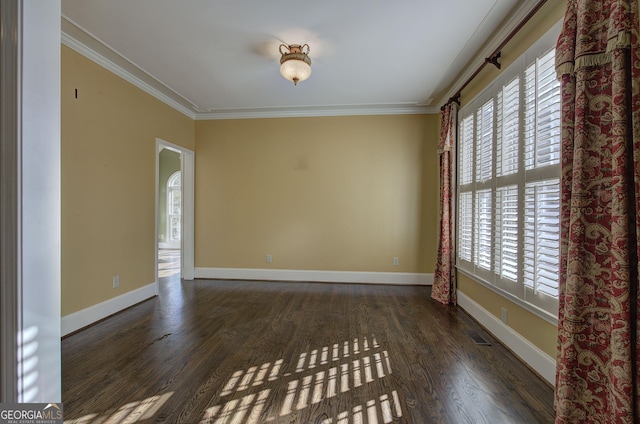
[(324, 196), (326, 191)]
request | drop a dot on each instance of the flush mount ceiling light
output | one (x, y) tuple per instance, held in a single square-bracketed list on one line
[(295, 64)]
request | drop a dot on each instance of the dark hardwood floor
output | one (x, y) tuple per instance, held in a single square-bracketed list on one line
[(265, 352)]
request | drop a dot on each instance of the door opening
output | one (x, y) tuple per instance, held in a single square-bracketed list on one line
[(174, 212), (169, 213)]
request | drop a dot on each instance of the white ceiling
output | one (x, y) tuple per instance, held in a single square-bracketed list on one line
[(219, 58)]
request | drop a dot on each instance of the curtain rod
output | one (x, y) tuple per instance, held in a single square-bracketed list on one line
[(494, 58)]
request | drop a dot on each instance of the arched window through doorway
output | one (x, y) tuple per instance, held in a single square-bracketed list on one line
[(174, 207)]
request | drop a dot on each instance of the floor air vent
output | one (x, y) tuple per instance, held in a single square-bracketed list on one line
[(477, 338)]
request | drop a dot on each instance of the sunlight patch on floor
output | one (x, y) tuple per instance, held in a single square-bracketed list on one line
[(130, 413), (318, 374)]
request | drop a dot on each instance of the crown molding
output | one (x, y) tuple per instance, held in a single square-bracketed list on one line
[(76, 38), (317, 111), (491, 45)]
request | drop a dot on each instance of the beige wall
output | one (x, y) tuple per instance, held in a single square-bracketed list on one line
[(108, 180), (326, 193), (535, 329), (530, 326)]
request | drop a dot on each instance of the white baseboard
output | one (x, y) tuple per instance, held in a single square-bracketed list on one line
[(542, 363), (399, 278), (77, 320)]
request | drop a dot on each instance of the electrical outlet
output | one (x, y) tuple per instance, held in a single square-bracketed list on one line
[(269, 259), (116, 281), (503, 316), (396, 261)]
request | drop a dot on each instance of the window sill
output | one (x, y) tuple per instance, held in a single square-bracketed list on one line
[(510, 297)]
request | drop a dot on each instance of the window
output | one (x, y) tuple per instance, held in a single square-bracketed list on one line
[(509, 183), (174, 207)]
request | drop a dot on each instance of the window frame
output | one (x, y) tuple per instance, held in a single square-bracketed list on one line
[(174, 185), (517, 291)]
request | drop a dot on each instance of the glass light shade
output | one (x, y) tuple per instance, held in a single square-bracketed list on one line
[(295, 70)]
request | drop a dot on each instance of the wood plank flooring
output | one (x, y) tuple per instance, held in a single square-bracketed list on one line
[(265, 352)]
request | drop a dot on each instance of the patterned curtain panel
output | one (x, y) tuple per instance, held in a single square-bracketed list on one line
[(598, 62), (444, 283)]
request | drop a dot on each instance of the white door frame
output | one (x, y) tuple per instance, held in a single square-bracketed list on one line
[(30, 285), (187, 234), (11, 144)]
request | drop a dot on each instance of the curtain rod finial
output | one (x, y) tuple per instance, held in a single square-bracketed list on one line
[(495, 60)]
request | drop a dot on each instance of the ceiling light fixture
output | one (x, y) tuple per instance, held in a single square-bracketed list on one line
[(295, 64)]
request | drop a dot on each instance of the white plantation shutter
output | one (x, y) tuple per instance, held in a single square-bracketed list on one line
[(465, 197), (466, 151), (542, 182), (484, 142), (508, 129), (542, 113), (483, 229), (509, 183), (506, 233), (465, 225), (542, 236)]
